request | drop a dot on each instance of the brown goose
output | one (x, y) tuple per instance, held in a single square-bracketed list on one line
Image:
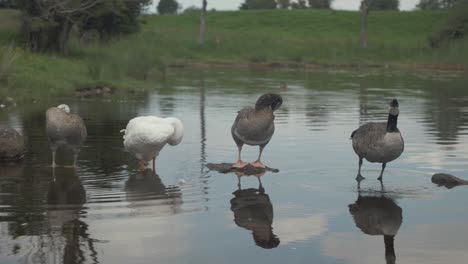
[(64, 129), (253, 211), (255, 126), (379, 142)]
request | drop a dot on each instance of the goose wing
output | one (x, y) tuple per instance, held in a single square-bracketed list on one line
[(253, 127), (148, 130), (367, 137), (63, 126)]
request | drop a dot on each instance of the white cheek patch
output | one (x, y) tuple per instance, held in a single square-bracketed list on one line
[(394, 111), (392, 138)]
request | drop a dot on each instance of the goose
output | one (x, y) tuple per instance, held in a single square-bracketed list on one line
[(12, 144), (379, 142), (64, 129), (378, 216), (253, 211), (145, 136), (255, 126)]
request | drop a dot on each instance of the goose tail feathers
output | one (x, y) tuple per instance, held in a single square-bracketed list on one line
[(178, 133)]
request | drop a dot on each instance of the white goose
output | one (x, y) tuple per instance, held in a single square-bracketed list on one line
[(145, 136)]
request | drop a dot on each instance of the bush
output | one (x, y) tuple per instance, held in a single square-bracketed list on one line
[(8, 55), (384, 4), (320, 4), (9, 4), (94, 68), (258, 4), (167, 7), (454, 28), (258, 58)]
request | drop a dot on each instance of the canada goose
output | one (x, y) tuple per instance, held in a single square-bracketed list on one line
[(378, 216), (145, 136), (64, 129), (255, 126), (379, 142)]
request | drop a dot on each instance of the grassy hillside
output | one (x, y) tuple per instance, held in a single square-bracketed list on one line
[(298, 35), (274, 37)]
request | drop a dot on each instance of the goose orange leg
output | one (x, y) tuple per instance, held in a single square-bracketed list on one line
[(239, 164), (258, 163)]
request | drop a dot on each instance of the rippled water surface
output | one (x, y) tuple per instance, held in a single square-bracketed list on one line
[(311, 211)]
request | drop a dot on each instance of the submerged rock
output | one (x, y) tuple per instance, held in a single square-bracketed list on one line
[(94, 91), (7, 102), (247, 170), (447, 180), (11, 144)]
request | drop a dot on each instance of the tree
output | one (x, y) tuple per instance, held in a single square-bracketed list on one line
[(429, 5), (201, 33), (320, 4), (383, 4), (455, 27), (47, 24), (364, 12), (435, 4), (300, 4), (9, 4), (192, 9), (258, 4), (114, 17), (284, 4), (167, 7)]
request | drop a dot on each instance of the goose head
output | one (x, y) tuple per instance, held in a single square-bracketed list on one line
[(269, 101), (64, 107), (393, 113), (394, 108)]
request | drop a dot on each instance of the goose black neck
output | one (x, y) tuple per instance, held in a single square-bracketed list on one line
[(392, 123), (389, 249), (259, 107)]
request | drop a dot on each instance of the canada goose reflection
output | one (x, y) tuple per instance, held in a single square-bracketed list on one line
[(147, 194), (378, 215), (253, 211), (66, 197)]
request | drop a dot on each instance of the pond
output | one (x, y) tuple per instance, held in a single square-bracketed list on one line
[(105, 211)]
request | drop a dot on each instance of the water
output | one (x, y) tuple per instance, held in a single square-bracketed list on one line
[(105, 211)]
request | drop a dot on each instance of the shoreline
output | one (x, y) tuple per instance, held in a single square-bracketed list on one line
[(314, 66)]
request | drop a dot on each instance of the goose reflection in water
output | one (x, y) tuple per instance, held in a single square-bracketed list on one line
[(66, 197), (378, 215), (148, 195), (253, 211)]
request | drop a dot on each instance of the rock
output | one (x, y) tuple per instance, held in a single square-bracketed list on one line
[(11, 144), (94, 91), (7, 102), (447, 180), (247, 170)]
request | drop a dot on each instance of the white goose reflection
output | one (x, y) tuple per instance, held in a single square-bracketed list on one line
[(378, 216), (253, 211), (148, 195)]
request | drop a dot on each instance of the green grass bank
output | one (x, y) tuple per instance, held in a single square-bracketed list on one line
[(270, 38)]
